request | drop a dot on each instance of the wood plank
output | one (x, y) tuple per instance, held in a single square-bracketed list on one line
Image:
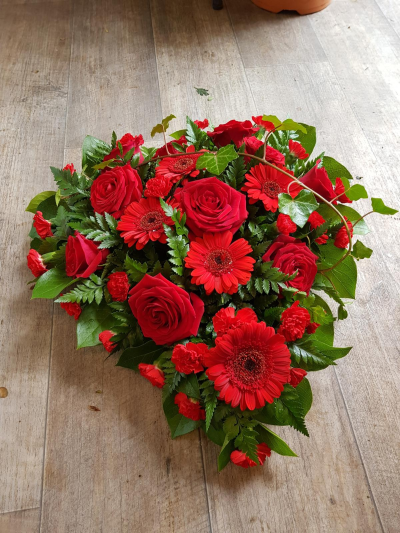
[(26, 521), (391, 10), (196, 47), (34, 57), (113, 71)]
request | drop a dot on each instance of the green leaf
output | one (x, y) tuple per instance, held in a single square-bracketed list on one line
[(145, 353), (379, 207), (307, 356), (304, 391), (210, 399), (178, 424), (360, 251), (356, 192), (225, 455), (332, 352), (286, 125), (272, 118), (178, 134), (163, 126), (190, 386), (216, 163), (135, 270), (351, 214), (274, 442), (235, 173), (88, 291), (344, 278), (307, 140), (335, 169), (93, 152), (202, 92), (48, 207), (51, 283), (93, 320), (299, 208), (38, 199)]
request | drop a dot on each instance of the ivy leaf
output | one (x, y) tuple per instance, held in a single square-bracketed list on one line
[(178, 424), (202, 92), (344, 278), (93, 152), (216, 163), (360, 251), (274, 442), (38, 199), (356, 192), (163, 126), (379, 207), (299, 208), (145, 353), (135, 270), (51, 283), (93, 320), (178, 134), (286, 125)]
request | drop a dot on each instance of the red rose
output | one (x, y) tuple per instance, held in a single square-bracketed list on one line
[(70, 167), (226, 320), (274, 156), (269, 126), (171, 148), (294, 321), (189, 407), (202, 124), (165, 313), (252, 144), (42, 226), (82, 256), (231, 131), (35, 263), (189, 358), (118, 286), (342, 239), (240, 458), (296, 376), (158, 187), (128, 141), (154, 374), (115, 189), (285, 224), (72, 308), (317, 179), (339, 189), (105, 337), (212, 206), (290, 254)]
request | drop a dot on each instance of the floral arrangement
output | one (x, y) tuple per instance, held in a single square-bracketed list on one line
[(204, 263)]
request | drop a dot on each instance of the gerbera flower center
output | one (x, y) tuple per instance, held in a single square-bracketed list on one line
[(152, 220), (271, 189), (219, 261), (182, 163), (248, 366)]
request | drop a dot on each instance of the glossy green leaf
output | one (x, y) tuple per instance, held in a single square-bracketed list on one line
[(379, 207), (273, 441), (335, 169), (344, 278), (163, 126), (351, 214), (356, 192), (360, 251), (299, 208), (93, 152), (51, 283), (217, 163), (307, 140), (38, 199), (178, 134), (145, 353), (93, 320), (178, 424)]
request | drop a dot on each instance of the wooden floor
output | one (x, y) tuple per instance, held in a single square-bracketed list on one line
[(88, 66)]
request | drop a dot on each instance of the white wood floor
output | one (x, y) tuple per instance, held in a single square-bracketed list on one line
[(68, 68)]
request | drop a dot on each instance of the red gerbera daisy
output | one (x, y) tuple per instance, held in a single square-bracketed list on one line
[(218, 263), (266, 183), (143, 221), (175, 168), (297, 150), (249, 365)]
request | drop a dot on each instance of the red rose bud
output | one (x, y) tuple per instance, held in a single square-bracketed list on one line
[(42, 226), (317, 179), (296, 376), (35, 263), (269, 126), (105, 337), (339, 189), (73, 309), (115, 189), (83, 256), (315, 220), (285, 224), (189, 358), (231, 131), (127, 141), (240, 458), (226, 320), (158, 187), (312, 328), (297, 150), (294, 321), (202, 124), (70, 167), (342, 239), (118, 286), (291, 255), (189, 407), (153, 374)]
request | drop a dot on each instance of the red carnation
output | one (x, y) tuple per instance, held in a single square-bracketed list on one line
[(294, 321), (339, 189), (218, 263), (342, 239), (171, 148), (240, 458), (189, 407), (83, 256), (158, 187), (72, 308), (118, 286), (323, 239), (127, 141), (42, 226), (297, 150), (269, 126), (291, 255), (266, 183), (35, 263), (315, 220), (189, 358), (249, 365), (312, 328), (152, 373), (211, 206), (233, 131), (202, 124), (70, 167), (317, 180), (296, 376), (226, 320), (105, 337), (285, 224)]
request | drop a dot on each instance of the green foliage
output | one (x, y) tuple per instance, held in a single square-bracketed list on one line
[(335, 169), (235, 173), (163, 126), (267, 278), (71, 183), (91, 289), (61, 222), (210, 398), (344, 278), (299, 208), (241, 429), (217, 162), (177, 217), (93, 152), (307, 140), (202, 92), (99, 228), (51, 283), (379, 207), (178, 424), (177, 240), (135, 270), (356, 192), (194, 135), (307, 356), (177, 134), (190, 386), (360, 251), (286, 125), (145, 353), (351, 214), (93, 320), (274, 442), (38, 199)]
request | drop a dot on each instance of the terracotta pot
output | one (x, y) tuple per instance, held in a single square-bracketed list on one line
[(303, 7)]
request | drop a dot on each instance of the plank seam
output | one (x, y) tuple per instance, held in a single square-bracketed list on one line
[(20, 510), (205, 480), (385, 17)]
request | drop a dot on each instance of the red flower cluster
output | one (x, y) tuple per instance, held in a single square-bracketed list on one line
[(241, 459), (189, 358), (118, 286)]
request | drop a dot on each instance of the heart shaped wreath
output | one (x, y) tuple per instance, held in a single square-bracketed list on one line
[(203, 262)]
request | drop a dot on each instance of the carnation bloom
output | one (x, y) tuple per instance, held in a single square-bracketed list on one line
[(285, 224), (322, 239), (226, 320), (105, 337), (339, 189), (265, 183), (294, 321), (158, 187), (202, 124), (128, 142), (118, 286), (72, 308), (189, 358), (342, 239), (296, 149), (175, 168), (218, 263), (142, 222), (240, 458), (70, 167), (152, 373), (42, 226), (269, 126), (35, 263), (315, 220), (189, 407), (249, 365), (296, 376)]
